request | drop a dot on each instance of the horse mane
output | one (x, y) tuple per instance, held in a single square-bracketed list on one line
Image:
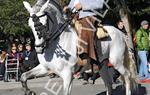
[(39, 4)]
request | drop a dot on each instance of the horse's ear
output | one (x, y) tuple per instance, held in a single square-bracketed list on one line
[(44, 6), (27, 6)]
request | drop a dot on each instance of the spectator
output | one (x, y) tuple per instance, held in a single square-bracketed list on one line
[(120, 26), (12, 60), (10, 47), (30, 59), (2, 64), (20, 48), (20, 54), (13, 54), (142, 41), (13, 45)]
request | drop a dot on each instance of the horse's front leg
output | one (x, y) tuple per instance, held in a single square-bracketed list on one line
[(67, 80), (26, 89), (38, 71)]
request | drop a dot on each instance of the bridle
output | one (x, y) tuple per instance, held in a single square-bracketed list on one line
[(56, 32), (38, 24), (35, 17), (36, 20)]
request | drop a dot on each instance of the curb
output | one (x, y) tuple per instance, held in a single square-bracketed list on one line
[(41, 82)]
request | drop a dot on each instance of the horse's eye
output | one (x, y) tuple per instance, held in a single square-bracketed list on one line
[(35, 18)]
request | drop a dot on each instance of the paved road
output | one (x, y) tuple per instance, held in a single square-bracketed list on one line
[(42, 87)]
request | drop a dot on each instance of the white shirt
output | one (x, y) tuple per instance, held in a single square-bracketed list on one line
[(76, 2)]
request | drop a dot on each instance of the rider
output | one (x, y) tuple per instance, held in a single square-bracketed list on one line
[(86, 31)]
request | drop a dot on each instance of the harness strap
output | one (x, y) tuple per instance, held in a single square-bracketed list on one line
[(59, 30)]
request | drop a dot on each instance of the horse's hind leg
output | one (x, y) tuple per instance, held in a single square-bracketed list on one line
[(127, 83), (67, 80), (126, 75), (107, 78), (38, 71)]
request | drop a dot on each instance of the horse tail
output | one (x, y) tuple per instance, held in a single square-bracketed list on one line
[(131, 66)]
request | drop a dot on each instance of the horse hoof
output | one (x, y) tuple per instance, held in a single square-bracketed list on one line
[(30, 93)]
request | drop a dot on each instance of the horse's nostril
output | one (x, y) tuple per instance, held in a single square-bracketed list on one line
[(38, 33), (36, 24), (37, 28)]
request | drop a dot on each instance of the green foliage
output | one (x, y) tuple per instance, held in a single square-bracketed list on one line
[(64, 2), (139, 7), (13, 17)]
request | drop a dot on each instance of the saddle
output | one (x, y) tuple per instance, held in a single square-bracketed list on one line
[(101, 32)]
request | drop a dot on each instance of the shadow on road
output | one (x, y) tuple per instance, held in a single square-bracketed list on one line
[(120, 90)]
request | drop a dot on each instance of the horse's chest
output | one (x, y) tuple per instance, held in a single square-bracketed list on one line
[(56, 65)]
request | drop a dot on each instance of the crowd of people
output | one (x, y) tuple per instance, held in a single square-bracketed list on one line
[(25, 54)]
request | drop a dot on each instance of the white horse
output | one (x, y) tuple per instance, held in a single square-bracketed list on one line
[(61, 54), (60, 57)]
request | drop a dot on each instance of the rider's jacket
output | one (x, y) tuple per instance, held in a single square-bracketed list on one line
[(87, 6)]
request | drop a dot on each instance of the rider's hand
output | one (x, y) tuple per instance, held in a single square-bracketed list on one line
[(78, 6), (65, 9)]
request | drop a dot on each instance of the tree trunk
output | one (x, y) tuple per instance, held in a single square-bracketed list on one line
[(126, 20), (125, 17)]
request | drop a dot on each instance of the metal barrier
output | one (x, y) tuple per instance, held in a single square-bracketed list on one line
[(11, 66)]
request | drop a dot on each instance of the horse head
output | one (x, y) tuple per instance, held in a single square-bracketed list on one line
[(44, 18), (37, 21)]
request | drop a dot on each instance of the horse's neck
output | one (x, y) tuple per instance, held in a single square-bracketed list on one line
[(68, 41), (68, 37), (63, 47)]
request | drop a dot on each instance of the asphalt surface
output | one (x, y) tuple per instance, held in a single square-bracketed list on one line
[(43, 86)]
